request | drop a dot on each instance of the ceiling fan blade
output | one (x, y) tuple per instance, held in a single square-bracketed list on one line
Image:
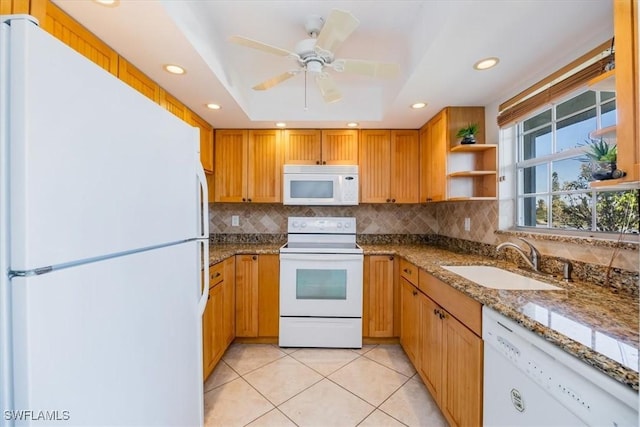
[(268, 84), (328, 88), (254, 44), (339, 26), (368, 68)]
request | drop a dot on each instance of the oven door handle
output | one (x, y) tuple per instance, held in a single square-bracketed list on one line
[(322, 257)]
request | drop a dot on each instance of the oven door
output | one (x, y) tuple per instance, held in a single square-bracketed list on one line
[(327, 285)]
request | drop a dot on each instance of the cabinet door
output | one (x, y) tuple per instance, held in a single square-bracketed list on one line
[(380, 296), (206, 139), (302, 147), (70, 32), (216, 299), (625, 18), (246, 295), (430, 366), (230, 152), (340, 147), (207, 339), (138, 80), (268, 295), (461, 399), (425, 162), (405, 166), (375, 168), (173, 105), (437, 162), (409, 320), (229, 305), (264, 174)]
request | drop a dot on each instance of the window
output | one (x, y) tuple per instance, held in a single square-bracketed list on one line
[(553, 173)]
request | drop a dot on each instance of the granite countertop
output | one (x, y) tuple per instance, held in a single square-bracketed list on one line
[(590, 322)]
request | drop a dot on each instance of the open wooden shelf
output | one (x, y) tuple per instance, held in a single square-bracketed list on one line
[(462, 174), (605, 81), (469, 148), (608, 132)]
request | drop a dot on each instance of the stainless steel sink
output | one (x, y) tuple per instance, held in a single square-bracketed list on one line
[(497, 278)]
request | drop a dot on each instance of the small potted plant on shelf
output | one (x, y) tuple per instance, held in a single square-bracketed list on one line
[(603, 158), (468, 134)]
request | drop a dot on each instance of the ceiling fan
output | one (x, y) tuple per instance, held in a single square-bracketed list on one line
[(315, 54)]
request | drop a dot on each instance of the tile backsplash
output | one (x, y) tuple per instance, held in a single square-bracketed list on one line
[(370, 218)]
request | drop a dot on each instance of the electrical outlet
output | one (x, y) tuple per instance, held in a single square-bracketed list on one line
[(467, 224), (235, 220)]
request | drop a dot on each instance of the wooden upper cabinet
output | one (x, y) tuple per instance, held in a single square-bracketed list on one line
[(625, 19), (70, 32), (374, 152), (230, 164), (302, 146), (405, 166), (264, 174), (316, 147), (206, 139), (138, 80), (248, 166), (173, 105), (340, 147), (433, 159), (389, 166)]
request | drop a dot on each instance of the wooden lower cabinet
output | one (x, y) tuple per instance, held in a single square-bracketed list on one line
[(257, 295), (379, 296), (409, 326), (447, 354), (229, 308), (214, 340)]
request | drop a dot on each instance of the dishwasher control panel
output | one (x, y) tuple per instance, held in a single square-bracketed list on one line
[(592, 396)]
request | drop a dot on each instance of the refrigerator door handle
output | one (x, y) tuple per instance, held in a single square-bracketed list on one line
[(204, 244), (204, 202)]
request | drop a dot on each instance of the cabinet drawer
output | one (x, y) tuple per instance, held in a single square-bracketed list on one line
[(465, 309), (409, 271), (216, 274)]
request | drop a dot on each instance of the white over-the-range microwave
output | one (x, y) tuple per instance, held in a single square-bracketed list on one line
[(329, 185)]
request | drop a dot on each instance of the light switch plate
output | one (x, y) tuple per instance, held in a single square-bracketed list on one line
[(467, 224), (235, 220)]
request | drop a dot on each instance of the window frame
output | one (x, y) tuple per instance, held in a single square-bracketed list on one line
[(548, 194)]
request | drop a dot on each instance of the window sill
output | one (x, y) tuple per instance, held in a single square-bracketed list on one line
[(628, 242)]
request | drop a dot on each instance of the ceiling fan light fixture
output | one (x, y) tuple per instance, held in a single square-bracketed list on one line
[(174, 69), (352, 124), (281, 125), (486, 63), (418, 105), (213, 106)]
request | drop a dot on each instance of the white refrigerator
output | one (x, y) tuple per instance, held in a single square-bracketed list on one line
[(103, 238)]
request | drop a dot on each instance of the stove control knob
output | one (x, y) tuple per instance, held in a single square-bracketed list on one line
[(295, 224), (339, 225), (346, 225), (303, 225)]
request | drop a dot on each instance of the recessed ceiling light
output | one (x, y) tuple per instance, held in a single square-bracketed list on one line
[(108, 3), (213, 106), (174, 69), (485, 64), (418, 105), (281, 124), (352, 124)]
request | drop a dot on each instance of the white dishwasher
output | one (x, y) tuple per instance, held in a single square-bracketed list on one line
[(531, 382)]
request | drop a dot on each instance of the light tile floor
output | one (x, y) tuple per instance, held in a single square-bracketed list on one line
[(264, 385)]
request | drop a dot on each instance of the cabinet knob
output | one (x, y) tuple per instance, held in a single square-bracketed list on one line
[(390, 258), (254, 257), (317, 162), (244, 200), (324, 162), (393, 200), (388, 200), (248, 200), (406, 270), (415, 292), (435, 311)]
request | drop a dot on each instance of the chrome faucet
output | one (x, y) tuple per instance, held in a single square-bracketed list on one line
[(531, 259)]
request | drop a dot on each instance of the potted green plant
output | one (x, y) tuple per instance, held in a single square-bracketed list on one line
[(468, 134), (603, 157)]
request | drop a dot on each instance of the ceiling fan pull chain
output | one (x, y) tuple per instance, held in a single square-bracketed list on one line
[(305, 90)]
